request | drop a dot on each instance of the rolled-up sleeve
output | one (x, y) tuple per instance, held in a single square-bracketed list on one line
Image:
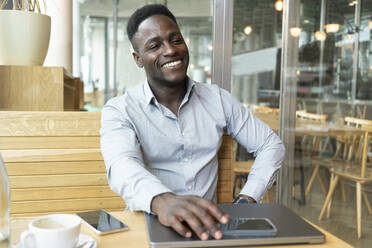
[(126, 171), (256, 137)]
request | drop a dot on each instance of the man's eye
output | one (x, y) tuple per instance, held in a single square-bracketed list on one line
[(153, 46)]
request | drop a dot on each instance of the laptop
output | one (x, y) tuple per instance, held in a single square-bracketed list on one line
[(290, 229)]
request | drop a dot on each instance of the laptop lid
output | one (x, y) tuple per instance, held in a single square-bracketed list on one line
[(291, 229)]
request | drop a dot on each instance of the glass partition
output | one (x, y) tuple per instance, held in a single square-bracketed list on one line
[(312, 60), (255, 68), (329, 63)]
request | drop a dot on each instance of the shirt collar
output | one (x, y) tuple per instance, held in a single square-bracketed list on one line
[(149, 95)]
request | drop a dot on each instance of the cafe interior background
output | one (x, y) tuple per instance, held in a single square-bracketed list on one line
[(313, 56)]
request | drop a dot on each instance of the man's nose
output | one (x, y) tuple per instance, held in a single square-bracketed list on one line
[(169, 49)]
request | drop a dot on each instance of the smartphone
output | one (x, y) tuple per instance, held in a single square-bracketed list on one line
[(261, 227), (102, 222)]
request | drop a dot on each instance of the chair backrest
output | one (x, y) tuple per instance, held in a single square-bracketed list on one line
[(361, 142), (303, 114), (55, 165), (311, 144)]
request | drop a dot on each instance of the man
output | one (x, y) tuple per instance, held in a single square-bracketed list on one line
[(160, 140)]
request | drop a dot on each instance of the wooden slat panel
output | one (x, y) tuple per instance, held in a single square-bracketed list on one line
[(224, 175), (17, 182), (224, 164), (44, 155), (80, 142), (66, 205), (55, 168), (66, 123), (224, 197), (226, 148), (224, 186), (55, 193)]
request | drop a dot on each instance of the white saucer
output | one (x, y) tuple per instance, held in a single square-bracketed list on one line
[(82, 238)]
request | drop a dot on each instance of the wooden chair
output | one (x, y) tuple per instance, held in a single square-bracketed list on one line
[(310, 146), (356, 171), (225, 171), (241, 170), (346, 146), (55, 165)]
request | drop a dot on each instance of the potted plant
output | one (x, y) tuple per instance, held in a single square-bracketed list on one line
[(24, 33)]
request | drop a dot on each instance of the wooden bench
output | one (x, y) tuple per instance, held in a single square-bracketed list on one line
[(54, 163)]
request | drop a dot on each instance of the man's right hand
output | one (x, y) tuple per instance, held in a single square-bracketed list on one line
[(200, 214)]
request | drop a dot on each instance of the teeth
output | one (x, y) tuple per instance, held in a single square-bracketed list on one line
[(171, 64)]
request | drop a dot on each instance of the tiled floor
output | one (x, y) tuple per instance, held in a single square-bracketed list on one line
[(342, 221)]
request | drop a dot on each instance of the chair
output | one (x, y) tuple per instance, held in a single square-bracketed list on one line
[(310, 146), (241, 170), (356, 171)]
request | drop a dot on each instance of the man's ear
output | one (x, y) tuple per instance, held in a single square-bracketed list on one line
[(137, 59)]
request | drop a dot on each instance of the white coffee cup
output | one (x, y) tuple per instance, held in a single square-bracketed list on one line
[(52, 231)]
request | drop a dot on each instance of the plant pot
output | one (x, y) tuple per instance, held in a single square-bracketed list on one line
[(24, 37)]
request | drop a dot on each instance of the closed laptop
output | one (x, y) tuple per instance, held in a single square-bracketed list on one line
[(290, 229)]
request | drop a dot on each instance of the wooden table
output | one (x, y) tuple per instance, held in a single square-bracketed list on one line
[(136, 236), (308, 127)]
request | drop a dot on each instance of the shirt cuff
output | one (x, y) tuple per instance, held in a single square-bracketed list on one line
[(254, 188), (150, 193)]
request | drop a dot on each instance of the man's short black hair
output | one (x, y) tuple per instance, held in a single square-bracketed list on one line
[(143, 13)]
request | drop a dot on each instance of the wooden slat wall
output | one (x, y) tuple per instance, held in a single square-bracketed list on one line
[(54, 163), (225, 171)]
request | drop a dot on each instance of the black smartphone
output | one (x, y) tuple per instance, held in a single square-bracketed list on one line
[(102, 222), (249, 227)]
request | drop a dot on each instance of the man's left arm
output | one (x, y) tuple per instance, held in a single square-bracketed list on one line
[(256, 137)]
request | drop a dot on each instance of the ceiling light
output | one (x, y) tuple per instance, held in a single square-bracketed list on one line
[(295, 32), (187, 40), (349, 36), (332, 28), (320, 35), (192, 66), (206, 68), (278, 5), (353, 2), (248, 30), (370, 24), (210, 47)]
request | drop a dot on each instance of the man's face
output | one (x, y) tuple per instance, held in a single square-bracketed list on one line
[(161, 50)]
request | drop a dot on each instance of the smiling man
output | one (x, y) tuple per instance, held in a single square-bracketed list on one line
[(160, 140)]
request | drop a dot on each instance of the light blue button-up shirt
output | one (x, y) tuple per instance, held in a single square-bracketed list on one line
[(148, 150)]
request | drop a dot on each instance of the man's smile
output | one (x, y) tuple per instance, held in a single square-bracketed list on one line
[(172, 64)]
